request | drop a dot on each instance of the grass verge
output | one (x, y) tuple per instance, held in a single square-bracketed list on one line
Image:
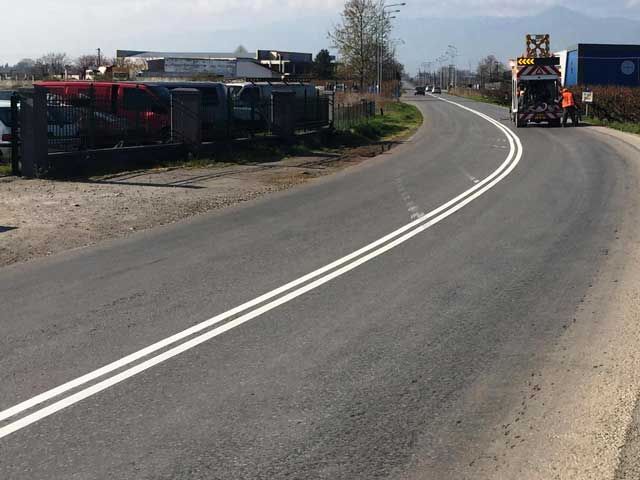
[(628, 127), (399, 119)]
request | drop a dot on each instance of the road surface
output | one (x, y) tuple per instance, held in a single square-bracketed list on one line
[(461, 307)]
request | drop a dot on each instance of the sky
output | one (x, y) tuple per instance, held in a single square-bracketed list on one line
[(80, 26)]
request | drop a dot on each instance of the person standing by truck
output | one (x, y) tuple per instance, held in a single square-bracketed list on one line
[(568, 107)]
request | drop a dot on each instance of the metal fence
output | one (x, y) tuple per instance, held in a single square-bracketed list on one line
[(91, 118), (60, 123), (94, 118), (348, 116)]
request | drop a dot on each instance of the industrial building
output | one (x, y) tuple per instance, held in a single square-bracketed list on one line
[(185, 64), (601, 64), (286, 63)]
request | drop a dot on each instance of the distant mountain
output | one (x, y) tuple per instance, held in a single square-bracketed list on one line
[(475, 37)]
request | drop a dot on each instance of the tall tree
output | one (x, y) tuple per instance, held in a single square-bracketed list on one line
[(358, 37), (323, 66)]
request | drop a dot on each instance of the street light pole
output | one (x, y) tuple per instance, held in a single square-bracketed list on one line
[(381, 40)]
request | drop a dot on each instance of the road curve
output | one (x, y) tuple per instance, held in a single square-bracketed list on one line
[(479, 347)]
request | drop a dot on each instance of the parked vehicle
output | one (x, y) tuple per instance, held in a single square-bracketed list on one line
[(215, 107), (5, 130), (145, 107), (251, 99)]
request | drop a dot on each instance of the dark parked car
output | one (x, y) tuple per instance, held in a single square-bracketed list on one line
[(420, 90)]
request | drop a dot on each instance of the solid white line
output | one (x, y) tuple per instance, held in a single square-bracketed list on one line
[(440, 213)]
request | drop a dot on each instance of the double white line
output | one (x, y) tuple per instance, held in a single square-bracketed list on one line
[(127, 367)]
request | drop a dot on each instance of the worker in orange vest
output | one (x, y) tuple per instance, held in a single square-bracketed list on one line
[(568, 108)]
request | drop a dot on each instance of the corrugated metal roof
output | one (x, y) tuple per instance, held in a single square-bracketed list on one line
[(199, 55)]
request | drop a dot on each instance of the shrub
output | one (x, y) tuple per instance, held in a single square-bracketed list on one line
[(612, 103)]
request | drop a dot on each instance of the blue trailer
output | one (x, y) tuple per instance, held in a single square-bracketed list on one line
[(602, 64)]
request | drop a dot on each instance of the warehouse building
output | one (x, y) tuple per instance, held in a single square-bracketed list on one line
[(601, 64), (287, 63), (185, 64)]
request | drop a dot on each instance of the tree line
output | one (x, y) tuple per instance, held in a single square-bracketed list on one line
[(54, 64)]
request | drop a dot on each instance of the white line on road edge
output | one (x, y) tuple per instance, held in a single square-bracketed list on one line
[(398, 236)]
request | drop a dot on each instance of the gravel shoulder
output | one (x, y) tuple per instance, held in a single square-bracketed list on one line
[(43, 217)]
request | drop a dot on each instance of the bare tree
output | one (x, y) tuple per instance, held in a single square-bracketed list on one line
[(52, 63), (86, 62), (358, 37), (490, 69)]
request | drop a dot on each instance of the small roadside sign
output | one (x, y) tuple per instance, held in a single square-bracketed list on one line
[(587, 97)]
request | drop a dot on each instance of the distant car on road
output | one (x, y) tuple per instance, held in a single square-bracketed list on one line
[(420, 90), (5, 130), (437, 90)]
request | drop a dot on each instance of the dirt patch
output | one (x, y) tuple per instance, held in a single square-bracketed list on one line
[(43, 217)]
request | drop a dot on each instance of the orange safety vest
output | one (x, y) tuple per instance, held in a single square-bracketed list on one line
[(567, 100)]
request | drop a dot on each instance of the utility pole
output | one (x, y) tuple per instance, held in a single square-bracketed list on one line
[(381, 40), (99, 58)]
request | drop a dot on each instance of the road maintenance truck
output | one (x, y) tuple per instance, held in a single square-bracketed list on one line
[(536, 82)]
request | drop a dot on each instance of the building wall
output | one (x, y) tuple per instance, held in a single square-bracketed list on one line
[(609, 65), (247, 69), (571, 75), (563, 64), (196, 66)]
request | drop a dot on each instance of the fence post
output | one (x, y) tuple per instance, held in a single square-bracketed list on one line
[(229, 114), (333, 110), (186, 117), (92, 117), (33, 123), (15, 146)]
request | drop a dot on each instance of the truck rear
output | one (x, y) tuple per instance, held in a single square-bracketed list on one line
[(536, 82)]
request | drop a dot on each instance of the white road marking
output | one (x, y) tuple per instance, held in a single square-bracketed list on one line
[(366, 254)]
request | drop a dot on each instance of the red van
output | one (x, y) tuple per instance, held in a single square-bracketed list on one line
[(131, 109)]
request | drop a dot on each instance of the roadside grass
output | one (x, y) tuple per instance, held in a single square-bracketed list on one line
[(482, 98), (5, 169), (479, 97), (398, 120), (628, 127)]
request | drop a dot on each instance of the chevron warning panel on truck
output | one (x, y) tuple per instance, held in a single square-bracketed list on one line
[(536, 81), (545, 61)]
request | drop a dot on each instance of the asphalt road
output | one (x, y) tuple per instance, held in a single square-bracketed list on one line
[(407, 364)]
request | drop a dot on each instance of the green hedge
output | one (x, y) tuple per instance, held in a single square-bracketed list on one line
[(612, 104)]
